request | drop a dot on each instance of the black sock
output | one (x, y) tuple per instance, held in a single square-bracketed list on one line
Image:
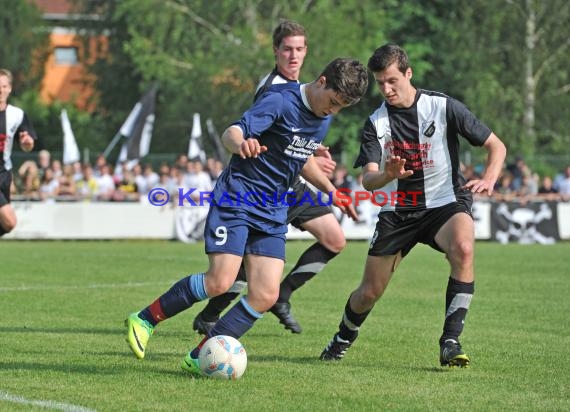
[(2, 231), (311, 262), (217, 304), (351, 322), (457, 300)]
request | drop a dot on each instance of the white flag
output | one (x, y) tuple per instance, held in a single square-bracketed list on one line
[(70, 149), (195, 150)]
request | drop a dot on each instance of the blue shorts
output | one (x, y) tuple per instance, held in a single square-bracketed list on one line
[(239, 233)]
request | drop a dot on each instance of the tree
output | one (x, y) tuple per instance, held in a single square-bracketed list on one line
[(24, 45)]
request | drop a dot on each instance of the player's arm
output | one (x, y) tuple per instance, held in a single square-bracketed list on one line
[(26, 134), (373, 178), (313, 174), (239, 138), (235, 142), (496, 154), (478, 134)]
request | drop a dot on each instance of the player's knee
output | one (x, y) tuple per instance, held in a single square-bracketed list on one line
[(334, 243), (8, 224), (368, 296), (218, 287), (462, 251)]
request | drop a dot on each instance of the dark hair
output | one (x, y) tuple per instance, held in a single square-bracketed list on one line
[(287, 28), (347, 77), (386, 55)]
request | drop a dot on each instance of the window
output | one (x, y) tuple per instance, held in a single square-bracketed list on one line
[(66, 55)]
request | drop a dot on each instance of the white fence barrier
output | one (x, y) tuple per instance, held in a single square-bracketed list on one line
[(538, 222)]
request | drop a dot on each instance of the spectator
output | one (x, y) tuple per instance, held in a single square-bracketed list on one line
[(547, 191), (126, 189), (87, 187), (150, 176), (77, 171), (99, 163), (181, 162), (564, 186), (517, 171), (67, 183), (49, 186), (57, 168), (29, 177), (105, 183), (199, 180), (504, 191)]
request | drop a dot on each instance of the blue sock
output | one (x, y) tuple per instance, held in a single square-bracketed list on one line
[(235, 323), (182, 295)]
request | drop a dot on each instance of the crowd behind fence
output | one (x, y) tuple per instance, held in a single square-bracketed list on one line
[(45, 178)]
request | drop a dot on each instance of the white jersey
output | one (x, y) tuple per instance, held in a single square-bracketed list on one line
[(426, 135), (13, 120)]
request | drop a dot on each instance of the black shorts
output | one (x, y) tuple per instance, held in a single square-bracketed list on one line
[(5, 183), (401, 231), (303, 211)]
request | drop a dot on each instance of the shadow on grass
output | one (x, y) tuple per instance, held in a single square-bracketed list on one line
[(91, 369), (119, 330)]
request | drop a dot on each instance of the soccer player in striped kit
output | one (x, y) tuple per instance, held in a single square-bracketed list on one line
[(410, 144), (14, 125)]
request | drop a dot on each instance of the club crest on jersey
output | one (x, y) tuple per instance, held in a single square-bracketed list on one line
[(428, 128)]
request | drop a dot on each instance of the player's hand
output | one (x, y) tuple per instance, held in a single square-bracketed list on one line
[(327, 165), (323, 151), (26, 141), (345, 207), (394, 168), (251, 148), (480, 186)]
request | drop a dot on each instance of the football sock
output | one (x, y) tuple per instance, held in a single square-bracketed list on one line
[(457, 300), (2, 231), (235, 323), (311, 262), (217, 304), (350, 323), (179, 297)]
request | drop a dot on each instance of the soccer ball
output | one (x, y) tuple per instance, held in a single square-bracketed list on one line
[(223, 357)]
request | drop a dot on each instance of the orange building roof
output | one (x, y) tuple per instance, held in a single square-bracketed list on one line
[(66, 78)]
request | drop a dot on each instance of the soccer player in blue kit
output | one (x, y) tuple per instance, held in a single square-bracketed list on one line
[(410, 144), (290, 48), (271, 144)]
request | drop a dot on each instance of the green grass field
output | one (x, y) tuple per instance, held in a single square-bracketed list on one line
[(62, 337)]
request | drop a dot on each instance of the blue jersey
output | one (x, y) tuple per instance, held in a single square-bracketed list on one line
[(281, 120)]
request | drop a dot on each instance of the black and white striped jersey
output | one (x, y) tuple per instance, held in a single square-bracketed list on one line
[(274, 77), (426, 135), (13, 120)]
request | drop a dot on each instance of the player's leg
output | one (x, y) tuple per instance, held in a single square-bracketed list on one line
[(377, 274), (181, 296), (331, 241), (207, 318), (395, 235), (7, 214), (7, 219), (264, 262), (456, 238), (225, 238)]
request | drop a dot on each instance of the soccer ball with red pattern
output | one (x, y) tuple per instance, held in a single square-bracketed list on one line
[(223, 357)]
